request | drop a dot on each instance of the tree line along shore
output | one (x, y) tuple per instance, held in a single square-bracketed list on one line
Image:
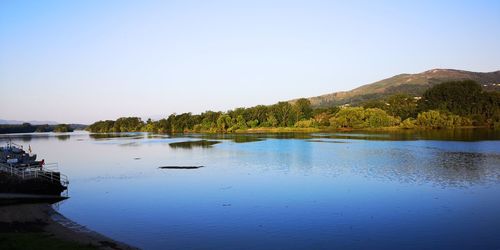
[(451, 104), (30, 128)]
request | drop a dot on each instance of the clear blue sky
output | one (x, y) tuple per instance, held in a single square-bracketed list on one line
[(81, 61)]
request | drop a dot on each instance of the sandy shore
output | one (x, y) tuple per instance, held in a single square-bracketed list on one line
[(21, 217)]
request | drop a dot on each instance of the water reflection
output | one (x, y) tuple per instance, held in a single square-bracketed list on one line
[(326, 141), (26, 137), (466, 168), (473, 134), (406, 135), (237, 138), (430, 166), (282, 191), (106, 136), (64, 137), (193, 144)]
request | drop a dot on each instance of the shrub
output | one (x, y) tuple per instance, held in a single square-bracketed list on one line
[(348, 118), (376, 118), (431, 119), (496, 125), (408, 123), (253, 123), (197, 128), (358, 117), (310, 123), (437, 119), (322, 119), (61, 128)]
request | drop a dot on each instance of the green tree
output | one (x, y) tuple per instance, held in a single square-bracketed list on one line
[(458, 97), (309, 123), (253, 123), (402, 105), (303, 108), (283, 112), (377, 118), (240, 122), (358, 117), (436, 119), (128, 124), (150, 126), (351, 117), (322, 119), (408, 123), (259, 113), (101, 126), (271, 120), (376, 103), (224, 122), (62, 128)]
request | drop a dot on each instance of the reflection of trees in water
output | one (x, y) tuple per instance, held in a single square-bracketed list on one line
[(244, 139), (63, 137), (238, 138), (403, 135), (130, 144), (466, 168), (156, 136), (25, 137), (98, 136), (393, 135), (28, 138), (459, 134), (436, 167)]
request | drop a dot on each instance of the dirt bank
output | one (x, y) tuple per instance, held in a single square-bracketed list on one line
[(41, 223)]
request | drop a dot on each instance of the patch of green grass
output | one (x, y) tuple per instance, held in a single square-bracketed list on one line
[(38, 241)]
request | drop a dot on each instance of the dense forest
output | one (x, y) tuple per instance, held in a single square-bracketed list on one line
[(446, 105), (63, 128), (29, 128)]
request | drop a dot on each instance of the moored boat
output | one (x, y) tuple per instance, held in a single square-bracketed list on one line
[(21, 173)]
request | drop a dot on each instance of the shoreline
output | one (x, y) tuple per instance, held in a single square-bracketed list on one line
[(334, 130), (43, 223), (262, 130)]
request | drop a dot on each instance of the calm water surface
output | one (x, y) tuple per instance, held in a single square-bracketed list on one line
[(307, 191)]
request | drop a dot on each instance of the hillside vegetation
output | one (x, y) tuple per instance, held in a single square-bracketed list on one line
[(411, 84)]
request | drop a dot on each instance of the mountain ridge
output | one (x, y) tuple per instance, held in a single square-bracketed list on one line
[(413, 84)]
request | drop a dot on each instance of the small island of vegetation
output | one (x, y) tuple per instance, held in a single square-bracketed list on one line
[(451, 104)]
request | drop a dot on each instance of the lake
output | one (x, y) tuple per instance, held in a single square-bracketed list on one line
[(405, 190)]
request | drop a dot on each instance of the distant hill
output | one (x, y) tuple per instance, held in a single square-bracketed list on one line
[(413, 84), (30, 122)]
